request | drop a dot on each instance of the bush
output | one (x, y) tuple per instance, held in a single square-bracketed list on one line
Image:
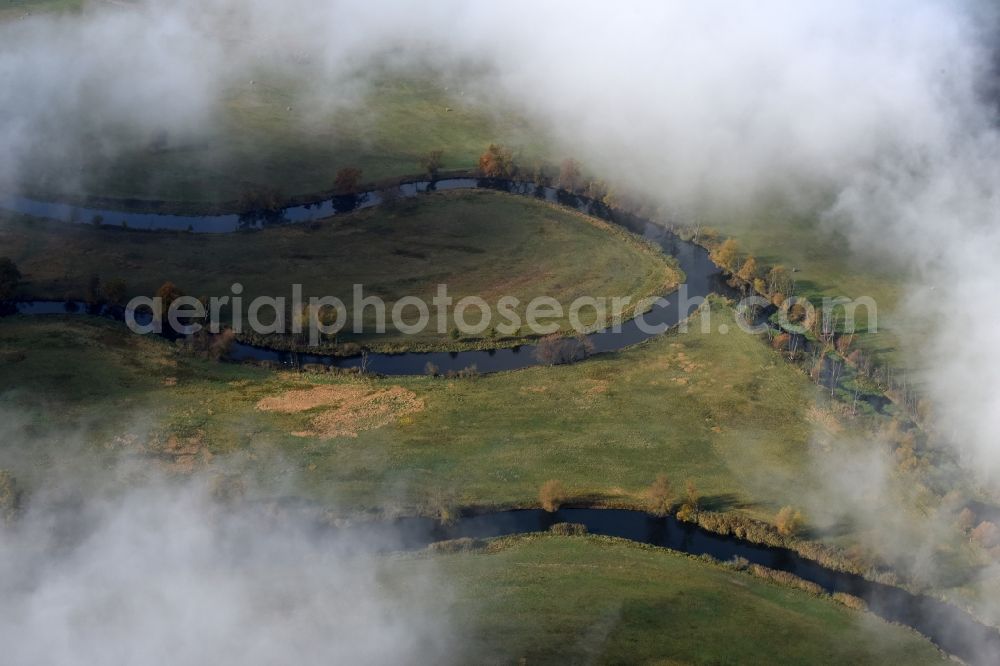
[(788, 521), (552, 495), (460, 545), (851, 601), (569, 529), (784, 578), (557, 350)]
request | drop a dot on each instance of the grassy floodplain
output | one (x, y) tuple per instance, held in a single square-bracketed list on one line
[(477, 243), (722, 410), (548, 599)]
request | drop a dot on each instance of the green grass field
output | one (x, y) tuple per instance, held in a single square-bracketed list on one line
[(477, 243), (546, 599), (722, 410)]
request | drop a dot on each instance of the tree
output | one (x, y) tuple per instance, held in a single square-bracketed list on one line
[(689, 509), (115, 291), (727, 255), (779, 281), (432, 164), (661, 496), (788, 521), (552, 495), (966, 519), (748, 272), (986, 534), (691, 493), (255, 200), (9, 278), (497, 162), (570, 176), (347, 181), (167, 293)]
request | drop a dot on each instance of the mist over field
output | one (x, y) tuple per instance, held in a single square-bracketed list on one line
[(879, 118), (168, 574)]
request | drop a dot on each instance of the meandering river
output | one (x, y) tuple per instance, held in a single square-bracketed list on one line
[(951, 628)]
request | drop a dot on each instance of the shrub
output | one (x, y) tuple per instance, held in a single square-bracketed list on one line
[(851, 601), (569, 529), (460, 545), (788, 521), (661, 496), (557, 350), (552, 495), (784, 578)]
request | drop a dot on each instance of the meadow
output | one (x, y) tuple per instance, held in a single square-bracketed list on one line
[(480, 243), (549, 599)]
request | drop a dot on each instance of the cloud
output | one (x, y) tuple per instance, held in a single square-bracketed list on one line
[(164, 575)]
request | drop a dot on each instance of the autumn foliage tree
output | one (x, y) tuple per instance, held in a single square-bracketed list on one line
[(497, 162), (689, 509), (552, 495), (661, 496), (727, 255), (347, 181), (788, 521), (986, 534), (167, 293), (260, 199), (748, 272), (570, 175)]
